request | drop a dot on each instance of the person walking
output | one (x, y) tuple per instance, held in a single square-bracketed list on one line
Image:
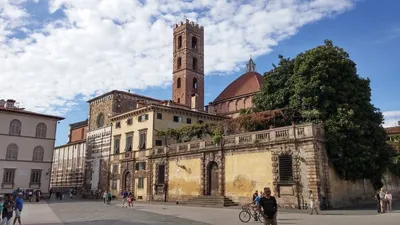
[(382, 200), (109, 197), (7, 214), (1, 206), (125, 198), (269, 207), (130, 200), (50, 192), (378, 200), (313, 206), (19, 204), (388, 198)]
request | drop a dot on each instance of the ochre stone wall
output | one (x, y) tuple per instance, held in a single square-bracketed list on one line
[(184, 179), (344, 193), (392, 183), (245, 173)]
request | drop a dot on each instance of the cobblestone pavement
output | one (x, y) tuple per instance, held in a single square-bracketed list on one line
[(78, 212)]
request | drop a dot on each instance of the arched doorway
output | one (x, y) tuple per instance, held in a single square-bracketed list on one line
[(213, 177), (127, 181)]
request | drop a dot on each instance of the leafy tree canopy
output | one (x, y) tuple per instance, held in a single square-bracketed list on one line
[(322, 85)]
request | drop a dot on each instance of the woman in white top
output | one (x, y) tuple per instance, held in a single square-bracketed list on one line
[(388, 198)]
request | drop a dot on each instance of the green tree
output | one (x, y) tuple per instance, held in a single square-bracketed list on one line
[(322, 84)]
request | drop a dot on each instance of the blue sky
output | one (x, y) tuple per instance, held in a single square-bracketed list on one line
[(368, 30)]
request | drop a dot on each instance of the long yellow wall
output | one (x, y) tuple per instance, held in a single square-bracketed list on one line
[(247, 172), (345, 192), (184, 182)]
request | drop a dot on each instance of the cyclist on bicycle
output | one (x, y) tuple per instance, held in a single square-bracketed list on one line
[(255, 205)]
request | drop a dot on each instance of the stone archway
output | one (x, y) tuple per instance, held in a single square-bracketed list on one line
[(213, 178), (127, 183)]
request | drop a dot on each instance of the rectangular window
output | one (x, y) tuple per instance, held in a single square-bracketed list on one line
[(285, 169), (115, 169), (178, 119), (140, 182), (140, 166), (129, 142), (159, 116), (158, 142), (188, 120), (161, 174), (143, 118), (8, 177), (118, 124), (129, 121), (114, 185), (117, 141), (36, 176), (142, 140)]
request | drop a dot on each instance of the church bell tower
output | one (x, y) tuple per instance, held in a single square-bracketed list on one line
[(188, 70)]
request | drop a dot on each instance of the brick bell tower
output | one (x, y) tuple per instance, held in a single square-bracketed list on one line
[(188, 71)]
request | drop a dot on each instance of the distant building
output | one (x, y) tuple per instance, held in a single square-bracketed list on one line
[(69, 159), (134, 134), (26, 148), (239, 94), (101, 109), (393, 136)]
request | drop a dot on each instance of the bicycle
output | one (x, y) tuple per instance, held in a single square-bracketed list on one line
[(246, 214)]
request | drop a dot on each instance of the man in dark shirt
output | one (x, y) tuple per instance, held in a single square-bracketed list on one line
[(269, 207)]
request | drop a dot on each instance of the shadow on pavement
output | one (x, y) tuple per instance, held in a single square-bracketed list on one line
[(98, 222)]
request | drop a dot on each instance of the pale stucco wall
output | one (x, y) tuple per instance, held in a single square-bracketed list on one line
[(26, 143), (141, 193), (184, 178), (246, 173), (345, 192)]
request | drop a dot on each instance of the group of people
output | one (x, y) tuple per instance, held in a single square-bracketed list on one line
[(384, 199), (9, 205), (267, 205), (107, 197), (127, 196)]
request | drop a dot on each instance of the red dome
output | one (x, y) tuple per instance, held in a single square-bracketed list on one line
[(248, 83)]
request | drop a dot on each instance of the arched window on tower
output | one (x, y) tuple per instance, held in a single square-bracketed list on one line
[(178, 83), (194, 63), (194, 42), (180, 42), (179, 62), (195, 83)]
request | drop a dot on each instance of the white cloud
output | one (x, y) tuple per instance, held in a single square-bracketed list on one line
[(391, 118), (123, 44)]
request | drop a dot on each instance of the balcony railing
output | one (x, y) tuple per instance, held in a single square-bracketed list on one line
[(259, 137)]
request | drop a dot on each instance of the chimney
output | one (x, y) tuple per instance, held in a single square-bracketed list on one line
[(2, 103), (10, 104)]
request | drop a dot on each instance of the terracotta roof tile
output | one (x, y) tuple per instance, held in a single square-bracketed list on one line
[(25, 112), (393, 130), (248, 83)]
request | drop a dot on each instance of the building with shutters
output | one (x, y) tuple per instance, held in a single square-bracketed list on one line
[(134, 134), (26, 148)]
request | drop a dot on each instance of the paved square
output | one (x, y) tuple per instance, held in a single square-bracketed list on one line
[(78, 212)]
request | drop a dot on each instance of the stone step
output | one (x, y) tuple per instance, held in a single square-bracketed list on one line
[(210, 201)]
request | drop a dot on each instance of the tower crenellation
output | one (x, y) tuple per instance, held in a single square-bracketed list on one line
[(188, 65)]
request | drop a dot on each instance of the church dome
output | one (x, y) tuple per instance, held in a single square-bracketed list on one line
[(248, 83)]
